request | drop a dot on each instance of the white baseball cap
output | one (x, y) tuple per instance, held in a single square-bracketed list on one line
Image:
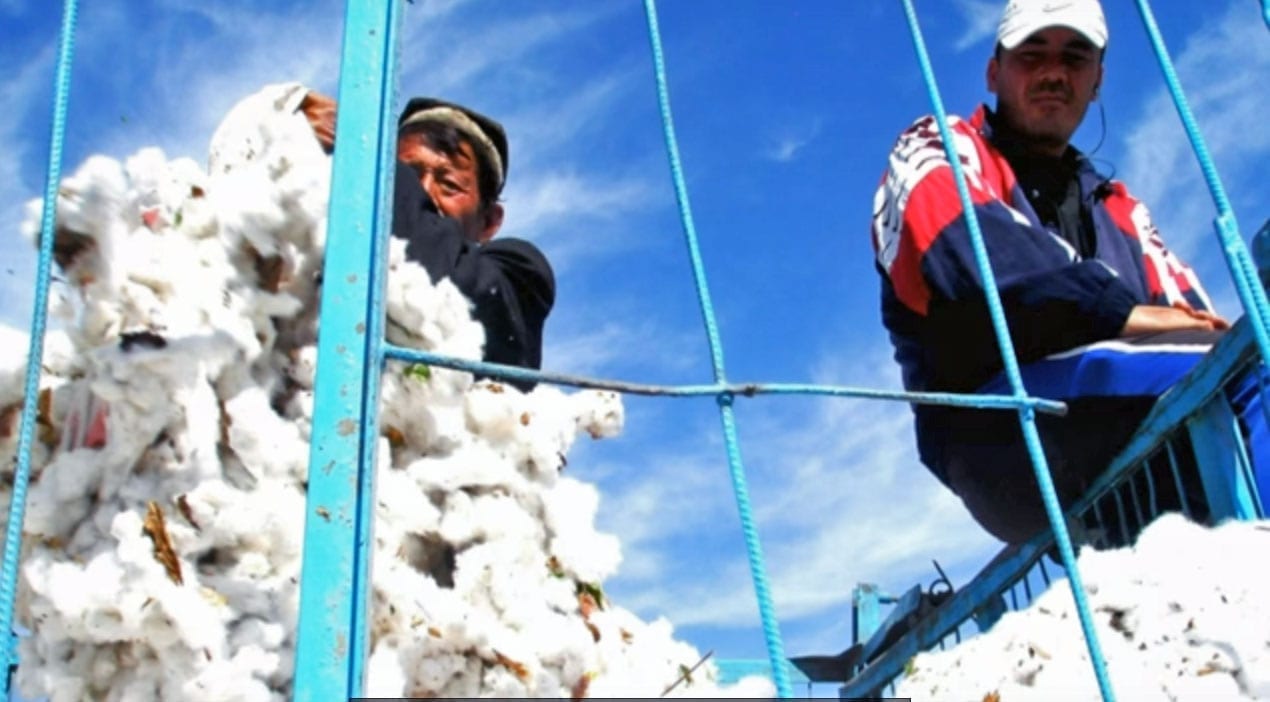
[(1022, 18)]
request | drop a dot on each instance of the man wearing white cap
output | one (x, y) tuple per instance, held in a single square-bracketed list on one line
[(1083, 275), (451, 166)]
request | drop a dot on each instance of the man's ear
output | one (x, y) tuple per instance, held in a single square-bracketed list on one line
[(491, 221), (993, 67)]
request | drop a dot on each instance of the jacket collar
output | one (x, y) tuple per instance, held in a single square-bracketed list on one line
[(985, 122)]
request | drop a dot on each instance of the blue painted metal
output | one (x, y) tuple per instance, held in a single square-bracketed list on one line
[(1027, 416), (1198, 393), (1006, 568), (1217, 445), (1177, 481), (35, 352), (767, 610), (1243, 270), (331, 646), (1265, 12), (400, 353), (866, 611)]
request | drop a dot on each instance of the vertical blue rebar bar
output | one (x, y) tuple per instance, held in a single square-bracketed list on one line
[(1124, 520), (331, 644), (1242, 269), (758, 572), (35, 352), (1153, 506), (1177, 480), (1137, 504), (1027, 415)]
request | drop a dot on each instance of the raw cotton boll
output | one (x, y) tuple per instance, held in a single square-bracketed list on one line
[(166, 557), (472, 468), (247, 133), (93, 197), (384, 674), (263, 441), (542, 434), (418, 415), (492, 410), (427, 316), (60, 499), (302, 366), (599, 413), (569, 509), (1174, 620), (485, 517), (403, 503), (249, 210), (14, 347)]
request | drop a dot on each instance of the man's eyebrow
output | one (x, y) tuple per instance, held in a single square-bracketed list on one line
[(1079, 44)]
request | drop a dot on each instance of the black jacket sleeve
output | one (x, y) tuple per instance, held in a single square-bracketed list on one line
[(509, 281)]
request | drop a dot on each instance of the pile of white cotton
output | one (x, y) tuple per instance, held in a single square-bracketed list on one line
[(165, 519), (1180, 616)]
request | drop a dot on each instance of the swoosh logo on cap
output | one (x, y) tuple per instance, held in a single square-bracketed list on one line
[(1055, 6)]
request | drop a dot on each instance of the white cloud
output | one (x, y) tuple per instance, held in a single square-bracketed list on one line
[(1222, 68), (839, 496), (552, 195), (17, 184), (790, 144), (582, 347), (981, 18)]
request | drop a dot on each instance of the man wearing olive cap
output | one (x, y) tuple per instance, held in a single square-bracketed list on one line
[(1088, 288), (451, 166)]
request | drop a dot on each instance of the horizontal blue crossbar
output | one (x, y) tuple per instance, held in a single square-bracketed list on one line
[(499, 370)]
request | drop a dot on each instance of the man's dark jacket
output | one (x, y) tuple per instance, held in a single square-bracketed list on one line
[(508, 281)]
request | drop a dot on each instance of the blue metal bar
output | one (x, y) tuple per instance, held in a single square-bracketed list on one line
[(1152, 505), (1102, 523), (1228, 492), (331, 645), (1027, 416), (1000, 402), (758, 572), (375, 323), (866, 612), (1243, 467), (1120, 513), (1137, 504), (964, 603), (35, 350), (1177, 480), (1243, 270), (1245, 475)]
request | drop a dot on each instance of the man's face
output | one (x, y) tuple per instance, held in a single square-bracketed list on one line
[(453, 185), (1045, 84)]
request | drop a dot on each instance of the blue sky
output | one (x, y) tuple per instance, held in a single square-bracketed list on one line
[(785, 113)]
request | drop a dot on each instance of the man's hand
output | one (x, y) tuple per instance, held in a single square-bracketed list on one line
[(1151, 319), (319, 109)]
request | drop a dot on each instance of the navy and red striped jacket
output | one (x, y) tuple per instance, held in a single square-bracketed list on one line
[(933, 301)]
